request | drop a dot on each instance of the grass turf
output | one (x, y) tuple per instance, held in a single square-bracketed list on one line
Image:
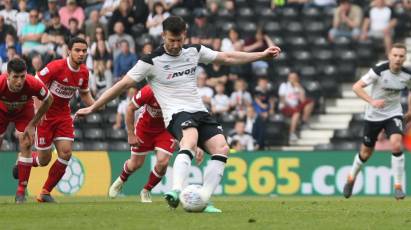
[(238, 213)]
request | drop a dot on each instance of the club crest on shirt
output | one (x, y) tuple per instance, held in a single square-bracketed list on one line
[(166, 67), (23, 97), (44, 71)]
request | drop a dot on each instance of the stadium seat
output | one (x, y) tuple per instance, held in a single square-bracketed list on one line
[(241, 3), (247, 28), (225, 26), (119, 146), (330, 88), (282, 71), (225, 15), (347, 145), (94, 134), (245, 13), (324, 147), (308, 72), (109, 119), (93, 120), (182, 12), (313, 88), (78, 146), (262, 3), (311, 13), (111, 107), (322, 56), (342, 43), (301, 57), (97, 146), (265, 15), (276, 133), (289, 14), (358, 117), (318, 28), (318, 43), (116, 134), (272, 28), (292, 28), (297, 42)]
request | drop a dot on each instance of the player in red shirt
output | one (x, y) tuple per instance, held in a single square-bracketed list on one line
[(147, 134), (63, 77), (16, 106)]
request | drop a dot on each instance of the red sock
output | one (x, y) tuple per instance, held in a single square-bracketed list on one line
[(56, 172), (35, 157), (125, 173), (24, 168), (153, 180)]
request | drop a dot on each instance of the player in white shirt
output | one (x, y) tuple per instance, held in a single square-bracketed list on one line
[(170, 71), (384, 111)]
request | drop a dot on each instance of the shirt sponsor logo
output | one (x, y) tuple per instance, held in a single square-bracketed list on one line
[(65, 80), (190, 71), (154, 112), (61, 90)]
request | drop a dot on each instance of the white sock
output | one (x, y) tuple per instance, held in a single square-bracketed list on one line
[(181, 168), (397, 167), (356, 166), (213, 174)]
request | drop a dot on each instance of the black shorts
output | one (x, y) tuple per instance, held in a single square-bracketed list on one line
[(206, 125), (393, 125)]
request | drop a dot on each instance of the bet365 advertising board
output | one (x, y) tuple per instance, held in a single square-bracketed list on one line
[(248, 173)]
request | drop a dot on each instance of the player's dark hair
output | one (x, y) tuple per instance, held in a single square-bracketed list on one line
[(399, 46), (174, 24), (16, 65), (76, 40)]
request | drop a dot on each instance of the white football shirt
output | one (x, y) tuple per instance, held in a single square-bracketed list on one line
[(388, 86), (173, 79)]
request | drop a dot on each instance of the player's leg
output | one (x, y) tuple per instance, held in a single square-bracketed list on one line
[(129, 167), (164, 152), (394, 130), (184, 128), (371, 131)]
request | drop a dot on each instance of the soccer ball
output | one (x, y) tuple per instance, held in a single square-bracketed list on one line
[(192, 198), (73, 178)]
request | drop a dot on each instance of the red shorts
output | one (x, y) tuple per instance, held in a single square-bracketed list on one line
[(20, 119), (289, 111), (154, 141), (51, 130)]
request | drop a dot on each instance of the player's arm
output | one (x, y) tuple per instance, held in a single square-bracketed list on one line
[(86, 97), (133, 140), (407, 116), (238, 58), (42, 109), (359, 86)]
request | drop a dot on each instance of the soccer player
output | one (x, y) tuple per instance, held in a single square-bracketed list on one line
[(63, 77), (16, 106), (383, 111), (170, 71), (144, 136)]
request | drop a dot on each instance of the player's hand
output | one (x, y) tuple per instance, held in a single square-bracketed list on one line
[(134, 140), (272, 52), (175, 143), (81, 113), (378, 103), (28, 134), (199, 156)]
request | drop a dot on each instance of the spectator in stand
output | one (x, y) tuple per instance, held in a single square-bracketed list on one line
[(5, 29), (11, 53), (233, 42), (220, 103), (216, 74), (167, 4), (22, 17), (91, 24), (147, 48), (122, 108), (99, 35), (114, 40), (235, 146), (239, 134), (52, 9), (36, 64), (255, 125), (32, 33), (9, 42), (379, 22), (297, 4), (72, 10), (93, 5), (347, 21), (264, 99), (107, 10), (202, 32), (205, 92), (9, 14), (258, 43), (102, 64), (55, 35), (294, 103), (74, 30), (240, 99), (124, 62), (122, 14), (155, 20)]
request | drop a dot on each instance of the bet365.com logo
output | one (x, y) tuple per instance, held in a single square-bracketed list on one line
[(73, 179)]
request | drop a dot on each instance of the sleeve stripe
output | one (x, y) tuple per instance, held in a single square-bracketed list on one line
[(135, 103)]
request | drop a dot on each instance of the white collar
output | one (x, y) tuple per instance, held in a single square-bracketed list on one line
[(71, 67)]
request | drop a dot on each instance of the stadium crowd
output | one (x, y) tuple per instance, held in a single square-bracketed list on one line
[(248, 100)]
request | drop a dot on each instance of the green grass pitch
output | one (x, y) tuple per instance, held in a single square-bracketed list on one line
[(241, 212)]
